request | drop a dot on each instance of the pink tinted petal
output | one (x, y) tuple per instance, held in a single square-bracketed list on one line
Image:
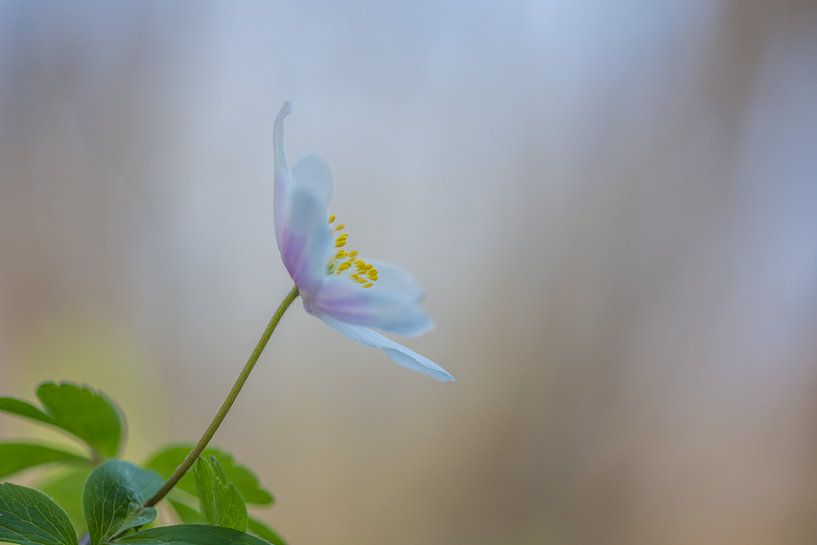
[(401, 355), (306, 242), (345, 300)]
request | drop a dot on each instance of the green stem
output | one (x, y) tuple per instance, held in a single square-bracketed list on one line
[(228, 402)]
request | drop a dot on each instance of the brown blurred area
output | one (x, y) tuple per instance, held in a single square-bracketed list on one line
[(613, 208)]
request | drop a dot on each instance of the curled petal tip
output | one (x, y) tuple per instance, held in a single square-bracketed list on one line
[(286, 109), (278, 137)]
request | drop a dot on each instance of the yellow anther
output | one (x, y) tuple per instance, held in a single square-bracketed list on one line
[(365, 273)]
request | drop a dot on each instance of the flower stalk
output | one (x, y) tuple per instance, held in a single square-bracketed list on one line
[(228, 402)]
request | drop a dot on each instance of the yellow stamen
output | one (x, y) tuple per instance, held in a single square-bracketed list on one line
[(364, 274)]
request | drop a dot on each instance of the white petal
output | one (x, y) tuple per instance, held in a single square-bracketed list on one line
[(396, 280), (306, 242), (281, 193), (313, 174), (378, 306), (397, 352)]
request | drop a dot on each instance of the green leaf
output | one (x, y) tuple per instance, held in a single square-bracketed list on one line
[(85, 413), (29, 517), (189, 515), (221, 503), (15, 457), (191, 534), (185, 513), (265, 532), (25, 409), (167, 460), (113, 499), (79, 410), (66, 489)]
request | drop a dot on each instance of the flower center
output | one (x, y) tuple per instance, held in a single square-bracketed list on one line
[(347, 263)]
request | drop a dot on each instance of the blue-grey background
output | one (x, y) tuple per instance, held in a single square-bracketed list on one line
[(612, 205)]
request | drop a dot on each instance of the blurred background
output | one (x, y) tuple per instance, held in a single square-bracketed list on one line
[(613, 207)]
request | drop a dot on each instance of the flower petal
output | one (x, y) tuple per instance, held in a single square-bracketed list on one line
[(378, 306), (281, 194), (400, 354), (306, 242), (396, 280), (312, 173)]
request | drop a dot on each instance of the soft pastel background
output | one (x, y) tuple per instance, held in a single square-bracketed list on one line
[(613, 206)]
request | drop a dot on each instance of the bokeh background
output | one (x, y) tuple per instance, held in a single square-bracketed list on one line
[(612, 205)]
